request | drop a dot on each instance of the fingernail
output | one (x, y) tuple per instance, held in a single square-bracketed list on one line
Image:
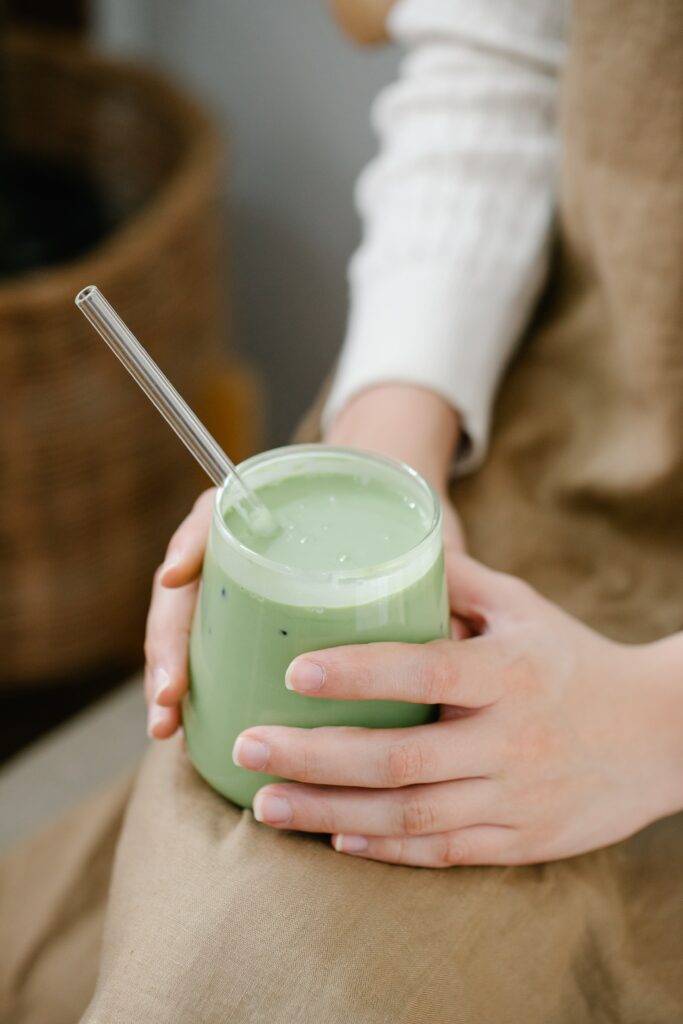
[(155, 717), (304, 676), (350, 844), (170, 563), (272, 810), (250, 753), (162, 682)]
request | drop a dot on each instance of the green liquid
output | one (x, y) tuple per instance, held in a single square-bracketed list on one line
[(244, 637), (333, 521)]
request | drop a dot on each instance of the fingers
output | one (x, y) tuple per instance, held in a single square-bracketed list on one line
[(161, 722), (185, 552), (370, 758), (479, 844), (413, 811), (166, 644), (468, 673), (166, 641), (174, 593)]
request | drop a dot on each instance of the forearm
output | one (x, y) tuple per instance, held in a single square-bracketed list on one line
[(404, 421), (457, 208)]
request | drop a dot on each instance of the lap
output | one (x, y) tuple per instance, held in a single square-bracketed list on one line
[(213, 917), (53, 895)]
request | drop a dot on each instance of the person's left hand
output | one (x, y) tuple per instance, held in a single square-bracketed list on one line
[(552, 740)]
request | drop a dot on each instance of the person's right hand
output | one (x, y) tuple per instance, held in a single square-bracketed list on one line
[(174, 593)]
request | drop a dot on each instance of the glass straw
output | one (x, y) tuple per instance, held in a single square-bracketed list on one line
[(172, 406)]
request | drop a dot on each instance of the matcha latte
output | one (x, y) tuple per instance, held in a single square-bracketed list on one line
[(357, 558)]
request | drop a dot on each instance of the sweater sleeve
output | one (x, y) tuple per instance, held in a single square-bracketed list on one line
[(458, 207)]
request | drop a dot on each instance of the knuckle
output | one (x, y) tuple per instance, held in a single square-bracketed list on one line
[(404, 765), (309, 764), (437, 675), (418, 817), (400, 847), (455, 851), (347, 666), (325, 818)]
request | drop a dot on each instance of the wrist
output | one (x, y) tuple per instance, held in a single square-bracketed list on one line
[(660, 678), (403, 421)]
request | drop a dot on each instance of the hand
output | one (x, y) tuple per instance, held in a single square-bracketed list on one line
[(551, 741), (174, 593)]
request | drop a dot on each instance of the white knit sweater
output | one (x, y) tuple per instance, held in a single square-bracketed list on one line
[(458, 207)]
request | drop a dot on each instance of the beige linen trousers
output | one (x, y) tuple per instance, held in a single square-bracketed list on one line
[(209, 918)]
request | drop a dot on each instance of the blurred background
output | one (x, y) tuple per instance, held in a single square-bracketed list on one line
[(197, 162), (291, 94)]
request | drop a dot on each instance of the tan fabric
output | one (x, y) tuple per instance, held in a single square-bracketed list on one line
[(213, 918), (53, 892), (582, 492)]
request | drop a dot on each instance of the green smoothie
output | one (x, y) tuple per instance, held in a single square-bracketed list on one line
[(357, 558)]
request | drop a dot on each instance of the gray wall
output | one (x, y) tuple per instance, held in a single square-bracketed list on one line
[(293, 96)]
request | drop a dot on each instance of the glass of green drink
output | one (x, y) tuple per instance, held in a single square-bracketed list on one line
[(358, 559)]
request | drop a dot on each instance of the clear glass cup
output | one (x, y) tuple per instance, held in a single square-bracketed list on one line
[(255, 615)]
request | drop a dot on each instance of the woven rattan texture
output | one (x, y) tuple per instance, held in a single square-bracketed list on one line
[(91, 480)]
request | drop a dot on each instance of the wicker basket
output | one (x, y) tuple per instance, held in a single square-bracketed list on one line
[(92, 482)]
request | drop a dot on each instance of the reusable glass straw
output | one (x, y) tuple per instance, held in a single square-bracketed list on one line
[(172, 406)]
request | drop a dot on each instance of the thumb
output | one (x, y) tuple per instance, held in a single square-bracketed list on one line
[(477, 593), (453, 535)]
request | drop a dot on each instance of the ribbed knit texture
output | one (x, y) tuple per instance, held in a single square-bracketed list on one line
[(458, 207)]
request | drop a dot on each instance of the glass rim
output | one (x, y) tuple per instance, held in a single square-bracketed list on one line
[(385, 568)]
